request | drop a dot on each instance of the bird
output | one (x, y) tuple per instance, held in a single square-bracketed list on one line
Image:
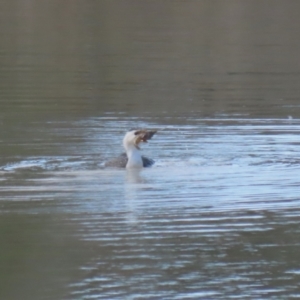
[(132, 158)]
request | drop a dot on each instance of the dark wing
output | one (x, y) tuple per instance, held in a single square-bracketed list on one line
[(119, 162), (147, 162)]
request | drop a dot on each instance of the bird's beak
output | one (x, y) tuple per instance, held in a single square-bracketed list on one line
[(143, 137)]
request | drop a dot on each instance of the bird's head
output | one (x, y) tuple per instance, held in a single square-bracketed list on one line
[(134, 137)]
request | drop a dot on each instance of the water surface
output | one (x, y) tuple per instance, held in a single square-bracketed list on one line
[(218, 214)]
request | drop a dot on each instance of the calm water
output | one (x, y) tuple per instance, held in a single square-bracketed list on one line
[(217, 217)]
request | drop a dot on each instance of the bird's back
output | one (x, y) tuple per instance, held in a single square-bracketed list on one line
[(121, 162), (118, 162)]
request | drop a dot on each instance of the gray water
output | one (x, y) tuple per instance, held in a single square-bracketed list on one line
[(217, 216)]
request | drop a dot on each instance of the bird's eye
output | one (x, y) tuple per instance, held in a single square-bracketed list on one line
[(137, 132)]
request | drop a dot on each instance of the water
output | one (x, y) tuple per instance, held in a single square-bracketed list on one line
[(217, 216)]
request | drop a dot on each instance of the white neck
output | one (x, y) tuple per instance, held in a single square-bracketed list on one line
[(134, 157)]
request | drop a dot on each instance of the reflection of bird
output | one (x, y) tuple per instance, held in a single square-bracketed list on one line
[(133, 158)]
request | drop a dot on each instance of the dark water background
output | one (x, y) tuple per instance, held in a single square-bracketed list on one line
[(217, 217)]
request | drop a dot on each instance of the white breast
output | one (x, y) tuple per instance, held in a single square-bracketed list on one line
[(134, 159)]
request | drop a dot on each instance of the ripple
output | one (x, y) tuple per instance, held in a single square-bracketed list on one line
[(216, 217)]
